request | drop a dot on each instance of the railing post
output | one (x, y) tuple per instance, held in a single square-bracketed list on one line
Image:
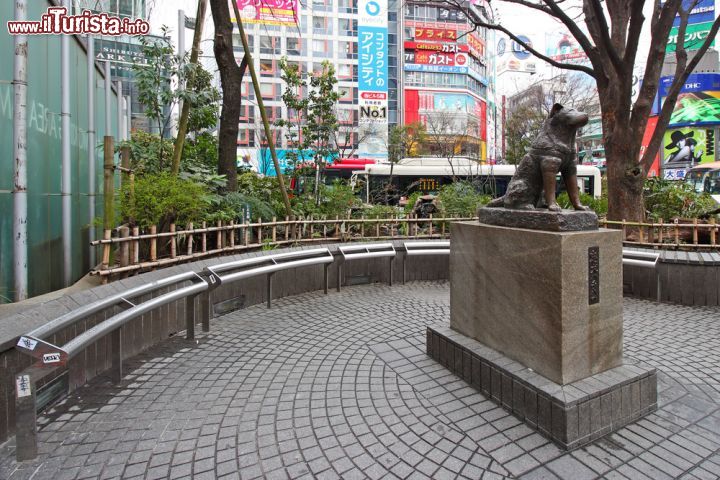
[(404, 272), (259, 231), (269, 289), (339, 273), (390, 271), (116, 371), (695, 231), (677, 233), (204, 237), (25, 418), (274, 230), (624, 231), (325, 277), (232, 234), (287, 228), (107, 235), (219, 237), (660, 236), (124, 248), (190, 317), (205, 310)]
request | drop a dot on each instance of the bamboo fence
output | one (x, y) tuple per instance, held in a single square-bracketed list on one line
[(139, 252)]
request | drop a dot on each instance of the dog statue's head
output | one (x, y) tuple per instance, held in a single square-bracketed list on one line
[(567, 116)]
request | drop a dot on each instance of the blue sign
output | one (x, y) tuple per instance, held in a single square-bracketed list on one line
[(415, 67), (518, 50), (287, 161), (696, 82), (703, 12), (373, 61)]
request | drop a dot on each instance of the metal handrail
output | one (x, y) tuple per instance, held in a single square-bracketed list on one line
[(54, 326), (440, 247), (90, 336), (423, 247), (50, 357), (367, 250), (651, 263)]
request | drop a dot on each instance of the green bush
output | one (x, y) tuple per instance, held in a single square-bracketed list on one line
[(335, 200), (145, 153), (233, 206), (668, 200), (460, 199), (412, 198), (380, 211), (598, 205), (162, 198)]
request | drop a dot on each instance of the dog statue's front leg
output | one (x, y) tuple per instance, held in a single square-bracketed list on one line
[(573, 192), (550, 166)]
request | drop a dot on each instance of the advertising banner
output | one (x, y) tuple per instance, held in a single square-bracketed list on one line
[(436, 47), (373, 77), (477, 46), (695, 35), (434, 58), (704, 11), (414, 67), (647, 136), (700, 108), (696, 82), (562, 47), (688, 146), (453, 102), (268, 12), (512, 56), (435, 34)]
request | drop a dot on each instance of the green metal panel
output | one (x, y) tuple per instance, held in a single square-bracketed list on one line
[(44, 157)]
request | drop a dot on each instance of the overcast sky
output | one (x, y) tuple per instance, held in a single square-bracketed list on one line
[(520, 20)]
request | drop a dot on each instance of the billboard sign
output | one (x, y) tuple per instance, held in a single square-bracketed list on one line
[(699, 108), (453, 102), (435, 34), (436, 47), (688, 146), (704, 11), (414, 67), (695, 35), (268, 12), (513, 57), (562, 47), (373, 77), (696, 82)]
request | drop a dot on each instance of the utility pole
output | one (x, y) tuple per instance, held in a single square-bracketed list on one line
[(263, 114), (182, 124), (20, 208)]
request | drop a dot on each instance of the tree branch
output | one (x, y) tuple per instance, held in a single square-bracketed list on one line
[(594, 14), (590, 50)]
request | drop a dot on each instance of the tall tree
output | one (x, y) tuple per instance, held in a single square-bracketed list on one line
[(609, 33), (231, 75)]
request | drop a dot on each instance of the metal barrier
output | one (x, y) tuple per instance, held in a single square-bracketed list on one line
[(366, 250), (643, 260), (50, 358), (438, 247), (268, 265)]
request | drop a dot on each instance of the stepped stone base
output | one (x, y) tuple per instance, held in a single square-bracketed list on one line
[(571, 415), (540, 219)]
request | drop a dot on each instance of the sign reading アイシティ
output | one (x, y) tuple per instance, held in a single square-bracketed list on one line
[(373, 77)]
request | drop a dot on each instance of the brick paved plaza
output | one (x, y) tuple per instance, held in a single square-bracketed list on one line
[(339, 386)]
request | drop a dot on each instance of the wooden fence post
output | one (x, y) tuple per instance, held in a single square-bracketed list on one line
[(204, 237), (173, 241), (713, 229), (189, 228), (136, 246), (153, 243)]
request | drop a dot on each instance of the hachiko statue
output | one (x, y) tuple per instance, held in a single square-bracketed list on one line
[(551, 152)]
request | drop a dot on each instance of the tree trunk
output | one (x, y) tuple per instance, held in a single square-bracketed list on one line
[(625, 176), (231, 81)]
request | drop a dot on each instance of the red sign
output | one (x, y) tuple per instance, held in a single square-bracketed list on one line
[(374, 95), (427, 58), (649, 130), (437, 34), (437, 47), (476, 45)]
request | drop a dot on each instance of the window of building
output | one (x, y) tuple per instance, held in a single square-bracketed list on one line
[(322, 25), (267, 68), (294, 46), (347, 6), (267, 90), (347, 50), (269, 45), (344, 71), (322, 48)]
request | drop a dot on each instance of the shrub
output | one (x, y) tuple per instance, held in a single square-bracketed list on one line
[(460, 199), (667, 200), (145, 153), (234, 206), (598, 205), (162, 198)]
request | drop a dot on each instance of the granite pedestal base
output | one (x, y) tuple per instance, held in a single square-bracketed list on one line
[(549, 300), (571, 415)]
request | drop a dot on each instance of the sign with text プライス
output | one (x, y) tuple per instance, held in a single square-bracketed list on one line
[(372, 76)]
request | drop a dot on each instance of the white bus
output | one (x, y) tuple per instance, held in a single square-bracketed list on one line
[(427, 175)]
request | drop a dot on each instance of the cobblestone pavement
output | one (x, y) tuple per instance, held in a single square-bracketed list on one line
[(339, 386)]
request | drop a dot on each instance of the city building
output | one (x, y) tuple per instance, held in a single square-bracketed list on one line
[(396, 63)]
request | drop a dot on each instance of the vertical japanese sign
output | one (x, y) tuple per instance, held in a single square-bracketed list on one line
[(373, 77)]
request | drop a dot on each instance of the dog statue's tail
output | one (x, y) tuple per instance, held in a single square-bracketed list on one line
[(497, 202)]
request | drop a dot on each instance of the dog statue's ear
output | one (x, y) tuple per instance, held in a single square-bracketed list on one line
[(555, 109)]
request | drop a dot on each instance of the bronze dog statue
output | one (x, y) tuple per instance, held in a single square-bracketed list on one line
[(551, 152)]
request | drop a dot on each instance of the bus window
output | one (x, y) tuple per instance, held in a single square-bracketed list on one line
[(695, 179)]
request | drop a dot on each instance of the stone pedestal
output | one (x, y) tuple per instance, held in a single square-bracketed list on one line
[(536, 325), (550, 300)]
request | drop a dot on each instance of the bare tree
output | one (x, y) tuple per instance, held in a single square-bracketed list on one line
[(451, 135), (611, 45)]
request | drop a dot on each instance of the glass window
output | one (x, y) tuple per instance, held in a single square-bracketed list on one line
[(267, 69), (294, 46), (322, 25), (267, 90)]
